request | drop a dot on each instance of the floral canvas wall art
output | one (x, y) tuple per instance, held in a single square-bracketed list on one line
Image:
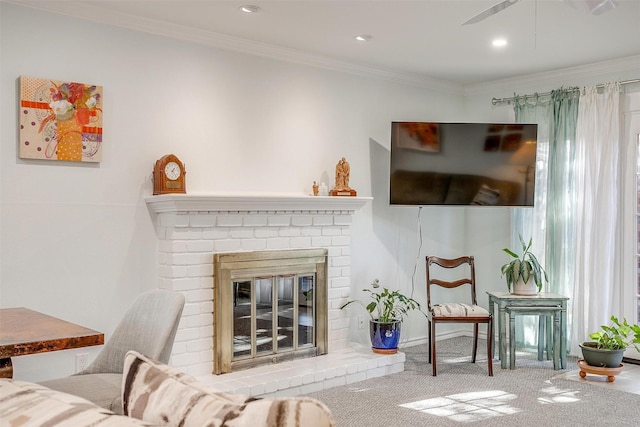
[(60, 120)]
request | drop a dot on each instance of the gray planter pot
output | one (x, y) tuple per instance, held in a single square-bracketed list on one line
[(600, 357)]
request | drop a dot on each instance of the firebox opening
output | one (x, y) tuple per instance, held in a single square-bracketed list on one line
[(269, 306)]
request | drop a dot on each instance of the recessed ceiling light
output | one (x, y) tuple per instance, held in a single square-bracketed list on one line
[(363, 37), (499, 42), (250, 8)]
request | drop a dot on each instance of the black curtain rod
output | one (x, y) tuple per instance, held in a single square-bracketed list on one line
[(496, 101)]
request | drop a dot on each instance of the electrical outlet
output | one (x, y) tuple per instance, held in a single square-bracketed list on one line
[(82, 360), (360, 322)]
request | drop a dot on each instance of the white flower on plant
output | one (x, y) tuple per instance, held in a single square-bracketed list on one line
[(91, 102), (61, 108)]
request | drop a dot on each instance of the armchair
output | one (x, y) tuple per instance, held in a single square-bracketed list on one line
[(149, 327)]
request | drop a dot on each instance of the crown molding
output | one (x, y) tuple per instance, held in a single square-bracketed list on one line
[(622, 68), (92, 12)]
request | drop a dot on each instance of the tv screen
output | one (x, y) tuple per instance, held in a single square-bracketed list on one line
[(465, 164)]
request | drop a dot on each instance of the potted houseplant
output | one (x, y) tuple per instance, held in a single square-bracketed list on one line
[(524, 274), (609, 343), (387, 310)]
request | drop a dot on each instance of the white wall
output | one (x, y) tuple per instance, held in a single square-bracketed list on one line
[(77, 240)]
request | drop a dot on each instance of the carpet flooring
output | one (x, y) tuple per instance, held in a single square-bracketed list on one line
[(463, 393)]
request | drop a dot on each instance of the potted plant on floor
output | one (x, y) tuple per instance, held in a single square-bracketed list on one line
[(609, 343), (387, 310), (524, 274)]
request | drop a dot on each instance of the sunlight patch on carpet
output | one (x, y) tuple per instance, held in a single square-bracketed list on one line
[(558, 395), (467, 407)]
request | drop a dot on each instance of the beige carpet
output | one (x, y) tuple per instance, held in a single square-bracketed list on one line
[(462, 393)]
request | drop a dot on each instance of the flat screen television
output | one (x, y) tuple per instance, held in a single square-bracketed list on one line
[(464, 164)]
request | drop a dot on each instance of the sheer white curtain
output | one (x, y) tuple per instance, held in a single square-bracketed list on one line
[(597, 289)]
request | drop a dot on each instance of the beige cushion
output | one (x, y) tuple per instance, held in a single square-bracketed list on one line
[(29, 404), (101, 389), (160, 394), (459, 310)]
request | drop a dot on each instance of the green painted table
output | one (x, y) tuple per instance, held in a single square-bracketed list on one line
[(543, 299)]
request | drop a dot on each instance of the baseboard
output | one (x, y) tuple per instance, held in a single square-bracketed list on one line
[(442, 336)]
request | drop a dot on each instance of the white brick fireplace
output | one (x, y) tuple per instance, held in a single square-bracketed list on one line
[(191, 228)]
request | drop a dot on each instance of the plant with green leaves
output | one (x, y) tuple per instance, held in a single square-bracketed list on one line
[(387, 306), (525, 267), (617, 336)]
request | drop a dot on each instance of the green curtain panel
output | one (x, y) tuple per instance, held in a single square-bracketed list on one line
[(550, 222)]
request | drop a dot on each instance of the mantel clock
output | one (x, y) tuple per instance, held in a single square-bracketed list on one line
[(169, 176)]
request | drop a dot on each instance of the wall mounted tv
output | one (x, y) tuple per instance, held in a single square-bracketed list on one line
[(465, 164)]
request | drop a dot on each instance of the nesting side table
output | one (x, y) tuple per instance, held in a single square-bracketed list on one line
[(544, 299)]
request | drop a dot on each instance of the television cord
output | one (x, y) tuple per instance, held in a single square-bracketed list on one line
[(415, 266)]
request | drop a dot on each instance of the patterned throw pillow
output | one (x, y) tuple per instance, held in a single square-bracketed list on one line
[(157, 393), (28, 404)]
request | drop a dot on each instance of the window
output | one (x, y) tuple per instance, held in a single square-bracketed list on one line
[(638, 230)]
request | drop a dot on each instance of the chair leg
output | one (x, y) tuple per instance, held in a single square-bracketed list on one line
[(475, 343), (429, 341), (490, 346), (432, 333)]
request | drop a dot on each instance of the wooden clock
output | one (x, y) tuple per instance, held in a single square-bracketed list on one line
[(169, 176)]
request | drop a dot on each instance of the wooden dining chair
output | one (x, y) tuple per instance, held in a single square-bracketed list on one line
[(458, 312)]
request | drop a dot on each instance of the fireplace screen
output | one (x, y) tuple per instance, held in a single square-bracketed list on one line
[(273, 314), (268, 306)]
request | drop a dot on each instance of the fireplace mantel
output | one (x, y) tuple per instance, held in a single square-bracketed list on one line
[(259, 202), (192, 228)]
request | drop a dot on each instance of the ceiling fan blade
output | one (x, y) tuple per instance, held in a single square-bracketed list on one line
[(491, 11)]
